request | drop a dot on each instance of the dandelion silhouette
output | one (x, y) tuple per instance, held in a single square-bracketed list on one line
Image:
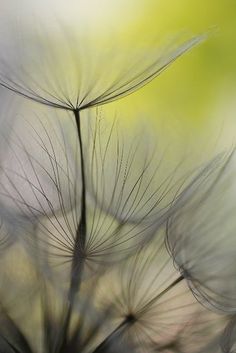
[(72, 79), (87, 207), (203, 246)]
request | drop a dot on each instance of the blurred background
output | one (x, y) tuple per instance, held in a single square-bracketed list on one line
[(191, 106)]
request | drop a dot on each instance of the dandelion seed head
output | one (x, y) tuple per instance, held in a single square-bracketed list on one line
[(71, 78), (201, 235)]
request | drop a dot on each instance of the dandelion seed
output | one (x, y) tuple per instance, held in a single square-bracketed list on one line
[(71, 78), (151, 300), (201, 235)]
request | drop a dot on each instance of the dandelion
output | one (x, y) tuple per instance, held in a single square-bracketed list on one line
[(152, 306), (201, 235), (71, 79)]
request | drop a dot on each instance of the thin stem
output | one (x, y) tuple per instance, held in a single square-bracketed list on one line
[(77, 265), (80, 239), (82, 223), (129, 320)]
